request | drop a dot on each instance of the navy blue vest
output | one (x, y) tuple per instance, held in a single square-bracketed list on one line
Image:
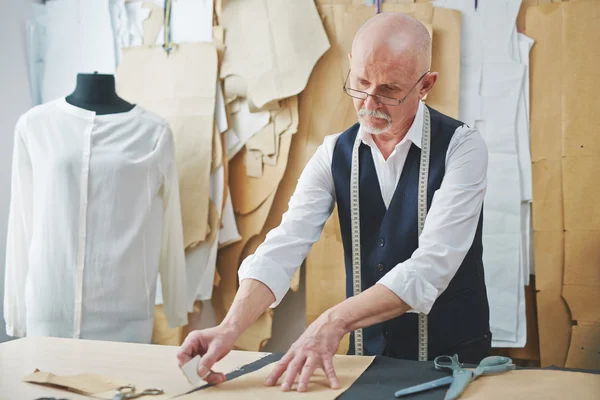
[(460, 315)]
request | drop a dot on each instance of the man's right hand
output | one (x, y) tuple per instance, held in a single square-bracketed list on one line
[(212, 345)]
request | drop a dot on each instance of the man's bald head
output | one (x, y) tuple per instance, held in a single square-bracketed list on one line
[(394, 38)]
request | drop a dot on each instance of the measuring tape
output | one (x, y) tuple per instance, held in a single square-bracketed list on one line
[(355, 225)]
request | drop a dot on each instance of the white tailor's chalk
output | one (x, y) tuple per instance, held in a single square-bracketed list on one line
[(190, 370)]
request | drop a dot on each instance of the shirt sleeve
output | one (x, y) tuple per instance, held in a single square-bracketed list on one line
[(285, 247), (172, 255), (18, 238), (449, 227)]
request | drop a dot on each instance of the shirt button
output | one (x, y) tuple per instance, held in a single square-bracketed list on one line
[(380, 267), (381, 242)]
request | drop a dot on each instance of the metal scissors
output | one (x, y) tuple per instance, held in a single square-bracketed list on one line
[(461, 377), (129, 392)]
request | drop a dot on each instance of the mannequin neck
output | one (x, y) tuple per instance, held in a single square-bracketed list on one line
[(97, 93)]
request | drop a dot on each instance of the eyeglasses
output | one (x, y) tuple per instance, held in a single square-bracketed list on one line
[(388, 101)]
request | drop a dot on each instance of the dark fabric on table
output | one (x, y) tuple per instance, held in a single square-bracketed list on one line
[(387, 375), (246, 369)]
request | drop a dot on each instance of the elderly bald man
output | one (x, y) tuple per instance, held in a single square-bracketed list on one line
[(438, 272)]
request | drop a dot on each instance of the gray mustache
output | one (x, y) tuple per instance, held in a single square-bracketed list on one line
[(373, 113)]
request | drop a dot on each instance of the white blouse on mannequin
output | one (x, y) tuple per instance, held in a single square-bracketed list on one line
[(94, 219)]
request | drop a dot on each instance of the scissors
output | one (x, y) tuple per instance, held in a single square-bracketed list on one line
[(128, 392), (461, 377)]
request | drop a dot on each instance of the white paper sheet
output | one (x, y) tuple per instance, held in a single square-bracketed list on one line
[(229, 232), (526, 245), (79, 39), (493, 99), (471, 57), (231, 141), (191, 21), (525, 44), (128, 23), (499, 18), (245, 125), (521, 334), (220, 112), (202, 260), (502, 207)]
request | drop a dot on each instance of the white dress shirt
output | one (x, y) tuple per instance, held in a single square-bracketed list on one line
[(446, 238), (94, 218)]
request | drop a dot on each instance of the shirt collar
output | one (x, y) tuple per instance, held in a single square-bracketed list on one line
[(414, 132)]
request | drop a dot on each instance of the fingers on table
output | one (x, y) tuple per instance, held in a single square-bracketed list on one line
[(301, 364), (308, 369), (293, 370), (279, 369), (334, 383)]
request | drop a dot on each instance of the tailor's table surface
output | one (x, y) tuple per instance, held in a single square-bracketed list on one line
[(142, 364)]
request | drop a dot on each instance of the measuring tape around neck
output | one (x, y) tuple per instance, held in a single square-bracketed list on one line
[(355, 225)]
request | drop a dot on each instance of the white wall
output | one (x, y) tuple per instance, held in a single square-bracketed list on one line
[(15, 99)]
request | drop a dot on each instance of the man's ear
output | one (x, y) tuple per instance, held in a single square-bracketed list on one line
[(427, 84)]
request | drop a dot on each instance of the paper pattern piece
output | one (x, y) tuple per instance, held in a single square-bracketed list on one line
[(534, 385), (88, 384), (252, 385), (247, 194), (564, 148), (201, 261), (183, 91), (253, 227), (162, 334), (229, 258), (244, 125), (273, 47), (445, 59), (229, 233)]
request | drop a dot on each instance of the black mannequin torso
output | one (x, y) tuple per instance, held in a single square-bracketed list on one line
[(96, 92)]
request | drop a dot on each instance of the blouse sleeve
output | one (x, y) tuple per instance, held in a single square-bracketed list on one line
[(172, 256), (18, 237)]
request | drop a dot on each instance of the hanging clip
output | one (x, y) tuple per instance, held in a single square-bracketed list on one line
[(376, 3), (168, 45)]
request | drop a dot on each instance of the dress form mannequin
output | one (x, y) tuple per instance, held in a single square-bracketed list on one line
[(96, 92)]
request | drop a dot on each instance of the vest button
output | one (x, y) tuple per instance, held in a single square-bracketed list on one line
[(381, 242), (380, 267)]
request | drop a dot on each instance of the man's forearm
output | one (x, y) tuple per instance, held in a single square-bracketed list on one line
[(252, 299), (374, 305)]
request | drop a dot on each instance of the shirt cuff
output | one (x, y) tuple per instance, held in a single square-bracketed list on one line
[(13, 332), (262, 269), (411, 287)]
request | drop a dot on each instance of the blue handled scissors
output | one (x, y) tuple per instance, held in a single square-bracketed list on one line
[(461, 377)]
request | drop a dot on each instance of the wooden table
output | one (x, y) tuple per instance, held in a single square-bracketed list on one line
[(144, 365), (149, 366)]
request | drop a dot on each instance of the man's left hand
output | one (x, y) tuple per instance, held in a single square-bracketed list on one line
[(314, 349)]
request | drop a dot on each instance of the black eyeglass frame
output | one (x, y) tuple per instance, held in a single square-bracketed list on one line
[(379, 99)]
